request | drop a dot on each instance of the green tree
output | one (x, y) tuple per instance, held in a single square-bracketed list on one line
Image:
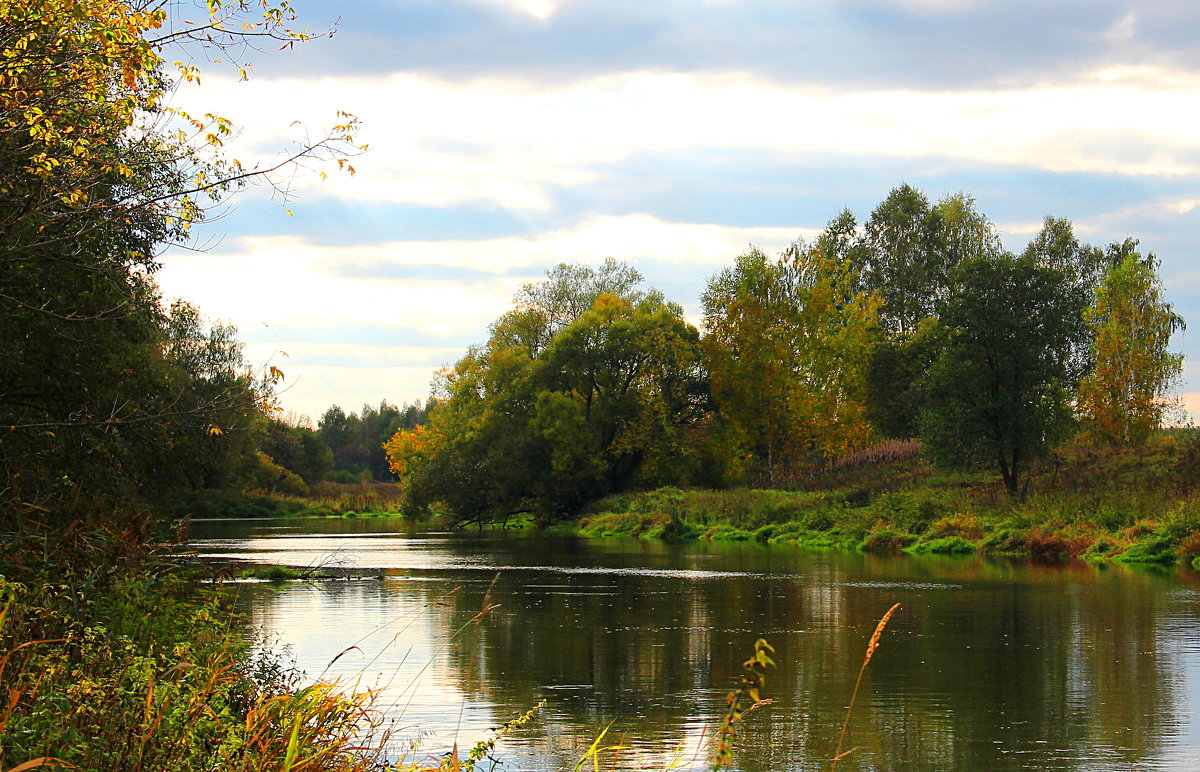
[(999, 392), (893, 379), (299, 449), (527, 424), (909, 248), (356, 440), (1123, 398)]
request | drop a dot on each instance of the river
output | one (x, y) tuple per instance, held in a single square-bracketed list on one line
[(988, 664)]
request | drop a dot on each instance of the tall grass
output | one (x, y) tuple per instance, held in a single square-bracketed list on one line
[(114, 657), (872, 645)]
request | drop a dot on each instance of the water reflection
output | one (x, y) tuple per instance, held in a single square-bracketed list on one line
[(990, 665)]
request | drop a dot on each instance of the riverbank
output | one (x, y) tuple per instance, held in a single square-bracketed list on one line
[(1133, 505), (1136, 504), (117, 653)]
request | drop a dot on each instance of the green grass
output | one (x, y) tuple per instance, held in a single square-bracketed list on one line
[(1134, 505), (271, 573)]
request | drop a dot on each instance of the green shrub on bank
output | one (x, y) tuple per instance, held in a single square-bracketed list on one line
[(224, 503)]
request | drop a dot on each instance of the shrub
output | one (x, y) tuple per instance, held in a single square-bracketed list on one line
[(885, 539), (946, 545), (1148, 550), (966, 526)]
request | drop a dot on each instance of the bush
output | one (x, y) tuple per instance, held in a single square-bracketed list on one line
[(1148, 550), (947, 545), (223, 503), (886, 539), (121, 662)]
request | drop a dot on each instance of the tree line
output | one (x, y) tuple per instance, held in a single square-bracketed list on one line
[(916, 323), (111, 397)]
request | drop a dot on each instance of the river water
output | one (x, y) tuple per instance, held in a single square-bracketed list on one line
[(988, 664)]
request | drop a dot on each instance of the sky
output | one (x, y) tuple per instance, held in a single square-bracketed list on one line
[(507, 136)]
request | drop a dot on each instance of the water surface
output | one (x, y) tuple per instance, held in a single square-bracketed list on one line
[(989, 665)]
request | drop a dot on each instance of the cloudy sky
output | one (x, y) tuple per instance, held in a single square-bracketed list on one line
[(510, 135)]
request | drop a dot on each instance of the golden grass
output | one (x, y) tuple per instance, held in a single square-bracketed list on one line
[(872, 645)]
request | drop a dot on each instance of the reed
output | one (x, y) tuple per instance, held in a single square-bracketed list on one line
[(872, 645)]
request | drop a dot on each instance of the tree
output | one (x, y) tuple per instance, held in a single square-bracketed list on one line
[(356, 440), (893, 376), (298, 449), (787, 341), (530, 424), (544, 308), (1123, 397), (908, 250), (105, 395), (999, 392)]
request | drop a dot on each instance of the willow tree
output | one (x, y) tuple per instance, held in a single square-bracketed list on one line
[(1123, 398)]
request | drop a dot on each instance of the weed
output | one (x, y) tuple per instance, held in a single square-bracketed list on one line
[(747, 697), (872, 645)]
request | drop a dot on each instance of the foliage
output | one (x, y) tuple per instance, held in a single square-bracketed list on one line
[(893, 374), (530, 424), (787, 341), (742, 700), (105, 394), (356, 441), (1123, 398), (123, 662), (999, 391), (298, 449), (408, 448), (908, 250)]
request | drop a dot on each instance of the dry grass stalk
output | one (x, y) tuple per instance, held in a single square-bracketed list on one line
[(872, 645)]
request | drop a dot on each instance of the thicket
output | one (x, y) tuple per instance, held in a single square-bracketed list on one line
[(118, 655)]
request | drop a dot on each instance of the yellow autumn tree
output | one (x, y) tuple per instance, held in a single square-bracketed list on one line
[(787, 342), (408, 447), (1123, 398)]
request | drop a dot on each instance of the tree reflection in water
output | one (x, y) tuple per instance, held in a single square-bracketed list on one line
[(990, 664)]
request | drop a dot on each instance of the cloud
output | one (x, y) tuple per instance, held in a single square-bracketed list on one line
[(286, 282), (508, 146), (922, 44), (509, 135), (393, 312)]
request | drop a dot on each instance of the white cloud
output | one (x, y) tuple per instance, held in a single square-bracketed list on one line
[(1124, 29), (517, 145), (508, 142), (538, 9), (286, 282)]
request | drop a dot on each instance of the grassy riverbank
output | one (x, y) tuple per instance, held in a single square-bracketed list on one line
[(1129, 504), (117, 654), (325, 499)]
